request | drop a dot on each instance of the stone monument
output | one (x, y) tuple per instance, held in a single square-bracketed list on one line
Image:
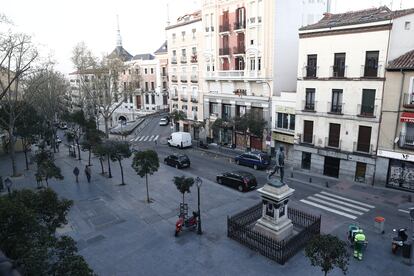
[(275, 197)]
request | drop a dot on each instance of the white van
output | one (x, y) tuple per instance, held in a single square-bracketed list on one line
[(180, 140)]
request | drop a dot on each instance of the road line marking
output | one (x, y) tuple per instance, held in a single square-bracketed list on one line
[(132, 140), (404, 211), (328, 209), (156, 138), (142, 138), (335, 205), (136, 139), (146, 138), (349, 200), (343, 203), (150, 139)]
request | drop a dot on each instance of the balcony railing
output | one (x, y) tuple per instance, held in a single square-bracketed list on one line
[(371, 71), (239, 50), (224, 28), (184, 98), (307, 139), (363, 148), (194, 99), (240, 92), (367, 111), (406, 142), (174, 60), (174, 78), (194, 78), (332, 143), (310, 72), (309, 106), (194, 58), (183, 59), (224, 51), (338, 71), (184, 78), (336, 108), (174, 98), (239, 25), (408, 100)]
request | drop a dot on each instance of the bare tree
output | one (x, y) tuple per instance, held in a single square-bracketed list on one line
[(17, 54)]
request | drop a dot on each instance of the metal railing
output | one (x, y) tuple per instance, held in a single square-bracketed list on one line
[(239, 25), (371, 71), (338, 71), (239, 50), (406, 141), (336, 108), (184, 98), (184, 78), (310, 72), (183, 59), (408, 100), (309, 106), (224, 28), (194, 78), (194, 99), (174, 98), (194, 58), (363, 148), (224, 51), (332, 143), (174, 60), (367, 110), (174, 78)]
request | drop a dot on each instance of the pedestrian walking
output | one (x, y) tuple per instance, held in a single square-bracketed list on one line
[(88, 173), (38, 180), (76, 173)]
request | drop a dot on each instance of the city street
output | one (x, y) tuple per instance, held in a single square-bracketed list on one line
[(120, 234)]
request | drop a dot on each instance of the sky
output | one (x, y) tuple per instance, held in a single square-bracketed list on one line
[(58, 25)]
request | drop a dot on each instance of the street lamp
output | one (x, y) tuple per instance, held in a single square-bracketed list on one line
[(199, 182), (9, 184), (268, 128)]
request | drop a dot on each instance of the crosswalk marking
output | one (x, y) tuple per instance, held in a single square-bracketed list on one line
[(328, 209), (156, 138), (338, 204), (146, 138), (142, 138), (152, 137), (347, 199), (132, 140), (136, 139)]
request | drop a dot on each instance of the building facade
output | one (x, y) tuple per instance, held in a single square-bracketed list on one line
[(339, 92), (184, 47)]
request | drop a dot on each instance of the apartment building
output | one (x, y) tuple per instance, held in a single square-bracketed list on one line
[(250, 54), (341, 73), (183, 68)]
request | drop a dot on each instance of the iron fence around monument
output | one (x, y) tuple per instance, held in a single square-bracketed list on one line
[(240, 228)]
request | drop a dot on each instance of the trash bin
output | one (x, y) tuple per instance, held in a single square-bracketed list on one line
[(379, 224), (406, 250)]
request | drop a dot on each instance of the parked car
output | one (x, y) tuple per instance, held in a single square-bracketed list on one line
[(163, 122), (177, 160), (240, 180), (255, 159), (180, 140)]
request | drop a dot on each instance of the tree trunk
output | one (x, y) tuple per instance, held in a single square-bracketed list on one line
[(25, 157), (122, 172), (183, 198), (109, 168), (13, 152), (47, 183), (89, 157), (79, 155), (102, 167), (106, 127), (146, 183)]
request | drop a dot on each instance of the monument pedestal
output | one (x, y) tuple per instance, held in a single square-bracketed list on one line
[(274, 221)]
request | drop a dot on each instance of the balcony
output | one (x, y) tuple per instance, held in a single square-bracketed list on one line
[(183, 59), (184, 98), (184, 78), (371, 71), (239, 26), (174, 60), (194, 58), (336, 109), (174, 78), (332, 144), (239, 50), (307, 139), (363, 148), (368, 111), (174, 98), (309, 106), (225, 28), (240, 92), (406, 142), (408, 100), (224, 51), (194, 99), (338, 72), (194, 78), (310, 72)]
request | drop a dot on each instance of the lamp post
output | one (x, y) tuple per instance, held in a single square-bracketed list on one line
[(199, 182), (9, 184), (268, 128)]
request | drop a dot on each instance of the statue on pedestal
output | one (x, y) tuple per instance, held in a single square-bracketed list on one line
[(279, 168)]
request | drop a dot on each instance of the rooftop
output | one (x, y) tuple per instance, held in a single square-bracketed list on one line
[(404, 62), (357, 17), (121, 53), (162, 49), (147, 56)]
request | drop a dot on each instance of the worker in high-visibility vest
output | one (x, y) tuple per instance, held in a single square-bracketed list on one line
[(359, 242)]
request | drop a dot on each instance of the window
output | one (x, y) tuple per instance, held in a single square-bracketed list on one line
[(336, 105), (240, 110), (152, 70), (334, 135), (183, 52), (146, 71), (137, 71), (153, 99), (407, 25), (368, 103), (307, 132), (251, 42), (125, 85), (226, 111), (339, 66), (360, 171), (364, 139), (130, 99), (213, 108), (183, 35), (125, 97), (259, 63), (173, 37), (164, 71), (194, 32), (310, 99), (311, 66), (152, 86), (146, 99), (252, 64), (292, 122), (146, 86), (164, 85), (194, 50), (285, 121), (371, 64), (306, 160), (174, 52)]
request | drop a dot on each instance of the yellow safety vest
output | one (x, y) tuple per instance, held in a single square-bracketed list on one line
[(359, 237)]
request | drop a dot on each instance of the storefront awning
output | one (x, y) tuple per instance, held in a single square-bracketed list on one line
[(407, 117)]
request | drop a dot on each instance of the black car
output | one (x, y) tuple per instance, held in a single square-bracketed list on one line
[(240, 180), (177, 160), (255, 159)]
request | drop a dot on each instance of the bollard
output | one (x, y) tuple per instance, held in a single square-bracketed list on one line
[(327, 184), (310, 179), (291, 174)]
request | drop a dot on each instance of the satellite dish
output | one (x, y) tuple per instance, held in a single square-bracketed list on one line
[(412, 213)]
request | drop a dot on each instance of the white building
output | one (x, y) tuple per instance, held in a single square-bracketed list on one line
[(339, 91)]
